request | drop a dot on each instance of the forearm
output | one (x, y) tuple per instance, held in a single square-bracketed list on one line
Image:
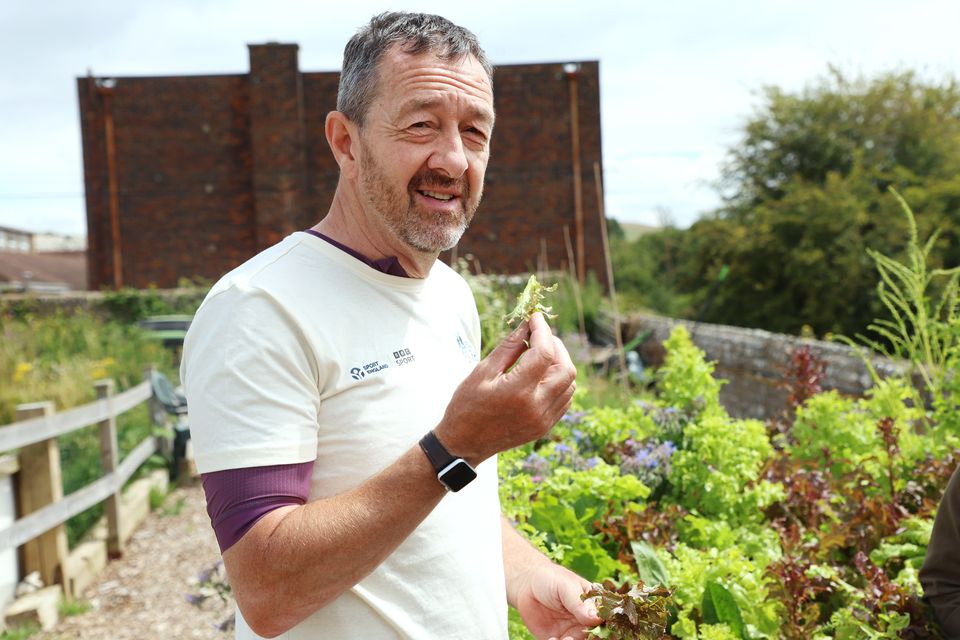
[(519, 557), (295, 560)]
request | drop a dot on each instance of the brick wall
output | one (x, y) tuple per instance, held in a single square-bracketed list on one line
[(210, 169)]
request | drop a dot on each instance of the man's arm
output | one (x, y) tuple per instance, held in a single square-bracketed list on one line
[(297, 559), (546, 594)]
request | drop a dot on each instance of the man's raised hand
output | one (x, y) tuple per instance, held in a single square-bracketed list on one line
[(514, 395)]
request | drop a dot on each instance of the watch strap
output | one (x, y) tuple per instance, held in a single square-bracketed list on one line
[(438, 455)]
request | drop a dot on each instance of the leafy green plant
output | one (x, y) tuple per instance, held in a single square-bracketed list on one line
[(685, 381), (717, 470), (820, 537), (922, 327), (692, 570), (567, 505), (531, 301), (719, 607)]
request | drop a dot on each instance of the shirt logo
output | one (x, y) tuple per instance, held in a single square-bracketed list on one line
[(467, 349), (403, 356), (358, 373)]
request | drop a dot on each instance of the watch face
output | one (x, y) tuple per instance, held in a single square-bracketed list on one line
[(458, 475)]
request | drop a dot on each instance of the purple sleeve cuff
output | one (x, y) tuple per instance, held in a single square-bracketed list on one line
[(238, 498)]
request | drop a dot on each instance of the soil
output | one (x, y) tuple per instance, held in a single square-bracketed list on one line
[(168, 584)]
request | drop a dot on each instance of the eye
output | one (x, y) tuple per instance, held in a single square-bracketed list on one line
[(477, 134)]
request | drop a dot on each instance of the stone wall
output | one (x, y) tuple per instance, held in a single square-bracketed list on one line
[(754, 361)]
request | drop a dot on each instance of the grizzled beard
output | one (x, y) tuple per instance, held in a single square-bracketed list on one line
[(425, 231)]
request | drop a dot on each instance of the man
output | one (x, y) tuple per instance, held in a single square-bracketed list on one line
[(334, 389), (940, 573)]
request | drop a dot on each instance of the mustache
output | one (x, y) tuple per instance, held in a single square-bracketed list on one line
[(433, 180)]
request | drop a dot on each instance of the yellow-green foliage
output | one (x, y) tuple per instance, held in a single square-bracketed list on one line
[(686, 379), (607, 426), (59, 357), (847, 429), (691, 569), (716, 472)]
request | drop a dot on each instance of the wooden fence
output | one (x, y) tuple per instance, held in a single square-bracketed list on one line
[(42, 507)]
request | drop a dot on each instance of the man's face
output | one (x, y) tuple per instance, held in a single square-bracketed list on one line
[(424, 148)]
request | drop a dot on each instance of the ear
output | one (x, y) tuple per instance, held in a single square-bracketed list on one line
[(341, 134)]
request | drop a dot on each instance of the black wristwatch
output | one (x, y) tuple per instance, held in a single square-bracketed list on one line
[(454, 473)]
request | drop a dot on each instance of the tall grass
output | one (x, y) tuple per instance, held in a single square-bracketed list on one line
[(58, 358)]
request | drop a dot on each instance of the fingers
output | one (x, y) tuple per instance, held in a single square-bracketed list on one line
[(585, 611), (546, 358), (506, 354), (508, 399)]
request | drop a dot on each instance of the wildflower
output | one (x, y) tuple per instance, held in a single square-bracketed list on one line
[(100, 368), (667, 448), (536, 464), (21, 371)]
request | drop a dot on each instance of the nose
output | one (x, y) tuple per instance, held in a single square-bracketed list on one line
[(449, 156)]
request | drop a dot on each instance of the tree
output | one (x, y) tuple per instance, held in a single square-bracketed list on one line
[(806, 193)]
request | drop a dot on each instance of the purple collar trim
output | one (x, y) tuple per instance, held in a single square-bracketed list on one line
[(390, 266)]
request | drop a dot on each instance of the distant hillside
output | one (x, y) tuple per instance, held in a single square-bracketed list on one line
[(633, 230)]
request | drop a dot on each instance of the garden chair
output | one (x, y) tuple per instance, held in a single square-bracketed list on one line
[(172, 402)]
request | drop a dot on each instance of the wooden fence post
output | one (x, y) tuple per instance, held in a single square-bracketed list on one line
[(41, 483), (109, 459)]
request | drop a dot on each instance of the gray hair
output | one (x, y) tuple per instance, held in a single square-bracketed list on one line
[(415, 33)]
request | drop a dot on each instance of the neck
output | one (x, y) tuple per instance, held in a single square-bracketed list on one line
[(348, 222)]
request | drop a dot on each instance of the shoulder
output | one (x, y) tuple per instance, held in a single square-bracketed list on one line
[(451, 282)]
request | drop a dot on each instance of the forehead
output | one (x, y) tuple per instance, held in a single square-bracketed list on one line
[(417, 81)]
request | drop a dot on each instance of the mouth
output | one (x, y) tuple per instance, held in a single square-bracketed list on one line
[(436, 195)]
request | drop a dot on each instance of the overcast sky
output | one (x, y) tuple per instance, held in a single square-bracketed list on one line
[(678, 79)]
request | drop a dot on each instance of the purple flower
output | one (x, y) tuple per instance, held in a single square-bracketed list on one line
[(649, 461), (536, 464)]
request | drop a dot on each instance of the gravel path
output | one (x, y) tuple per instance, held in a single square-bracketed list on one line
[(145, 595)]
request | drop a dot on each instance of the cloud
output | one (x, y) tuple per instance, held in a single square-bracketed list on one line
[(677, 79)]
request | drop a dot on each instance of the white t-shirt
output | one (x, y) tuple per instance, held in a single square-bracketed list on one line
[(305, 353)]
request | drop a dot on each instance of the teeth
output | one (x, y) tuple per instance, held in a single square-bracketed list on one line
[(438, 196)]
